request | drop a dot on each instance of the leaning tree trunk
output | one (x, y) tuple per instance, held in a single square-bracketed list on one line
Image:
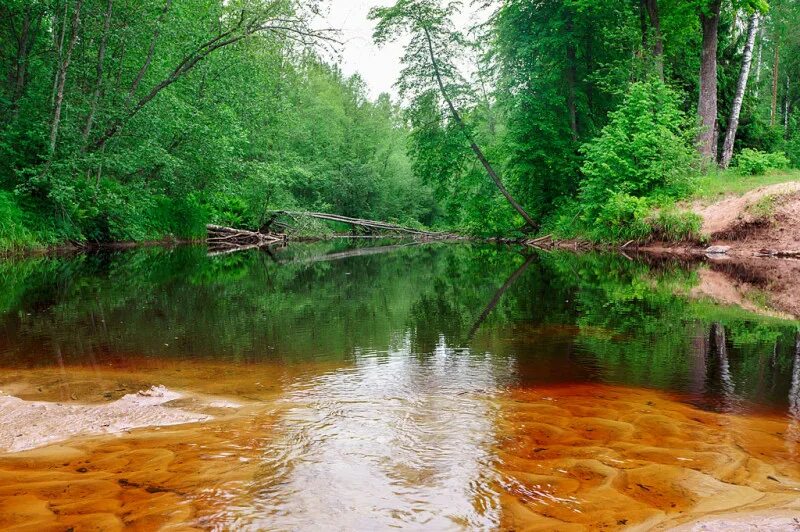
[(98, 86), (741, 87), (707, 103), (473, 145)]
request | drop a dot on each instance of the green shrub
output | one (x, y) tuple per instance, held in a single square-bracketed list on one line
[(622, 217), (755, 162), (646, 148)]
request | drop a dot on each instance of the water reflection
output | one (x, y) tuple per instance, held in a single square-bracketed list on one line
[(560, 317), (413, 386), (413, 433)]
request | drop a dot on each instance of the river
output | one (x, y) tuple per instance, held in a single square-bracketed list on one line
[(371, 386)]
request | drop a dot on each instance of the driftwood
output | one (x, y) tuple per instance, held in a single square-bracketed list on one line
[(222, 240), (372, 225)]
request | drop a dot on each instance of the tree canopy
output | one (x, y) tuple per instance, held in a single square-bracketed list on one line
[(136, 120)]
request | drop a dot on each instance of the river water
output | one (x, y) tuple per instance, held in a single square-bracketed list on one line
[(374, 386)]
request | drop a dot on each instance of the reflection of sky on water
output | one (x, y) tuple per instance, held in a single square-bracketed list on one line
[(398, 440)]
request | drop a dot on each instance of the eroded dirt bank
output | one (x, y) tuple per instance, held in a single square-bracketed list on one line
[(753, 250)]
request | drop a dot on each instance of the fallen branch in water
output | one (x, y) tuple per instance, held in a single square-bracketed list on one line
[(222, 240), (371, 225)]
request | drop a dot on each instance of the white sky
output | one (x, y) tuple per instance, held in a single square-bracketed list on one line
[(379, 67)]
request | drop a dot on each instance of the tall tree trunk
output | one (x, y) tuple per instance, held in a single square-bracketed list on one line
[(741, 87), (786, 109), (98, 86), (58, 46), (707, 104), (773, 117), (63, 67), (25, 42), (643, 23), (571, 79), (473, 145), (658, 39)]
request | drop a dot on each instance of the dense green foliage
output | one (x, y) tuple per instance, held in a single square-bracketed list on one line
[(755, 162), (591, 110), (161, 130), (140, 120), (563, 316)]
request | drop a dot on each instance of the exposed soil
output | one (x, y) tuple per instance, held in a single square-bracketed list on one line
[(722, 216), (759, 234)]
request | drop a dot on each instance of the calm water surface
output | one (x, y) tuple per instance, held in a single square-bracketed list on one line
[(382, 386)]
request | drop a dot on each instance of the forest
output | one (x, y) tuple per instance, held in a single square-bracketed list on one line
[(138, 120)]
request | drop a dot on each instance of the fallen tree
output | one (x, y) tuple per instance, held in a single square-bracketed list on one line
[(370, 225), (223, 240)]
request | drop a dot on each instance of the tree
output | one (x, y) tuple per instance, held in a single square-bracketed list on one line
[(239, 21), (707, 102), (650, 7), (733, 122), (432, 40), (65, 57)]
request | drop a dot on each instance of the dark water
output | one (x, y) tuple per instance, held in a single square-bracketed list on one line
[(544, 318)]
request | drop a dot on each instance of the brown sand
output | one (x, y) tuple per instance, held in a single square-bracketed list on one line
[(580, 457)]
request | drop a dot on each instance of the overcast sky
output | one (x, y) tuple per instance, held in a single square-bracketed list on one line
[(378, 66)]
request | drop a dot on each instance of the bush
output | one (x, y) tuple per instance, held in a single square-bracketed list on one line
[(646, 148), (646, 151), (755, 162), (622, 217)]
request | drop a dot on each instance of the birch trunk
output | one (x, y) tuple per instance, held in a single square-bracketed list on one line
[(741, 87), (773, 117), (786, 101), (58, 46)]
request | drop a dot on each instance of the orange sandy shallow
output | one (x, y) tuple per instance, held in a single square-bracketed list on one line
[(605, 457), (564, 458)]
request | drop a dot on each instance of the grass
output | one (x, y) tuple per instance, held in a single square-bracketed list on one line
[(716, 185), (763, 208)]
